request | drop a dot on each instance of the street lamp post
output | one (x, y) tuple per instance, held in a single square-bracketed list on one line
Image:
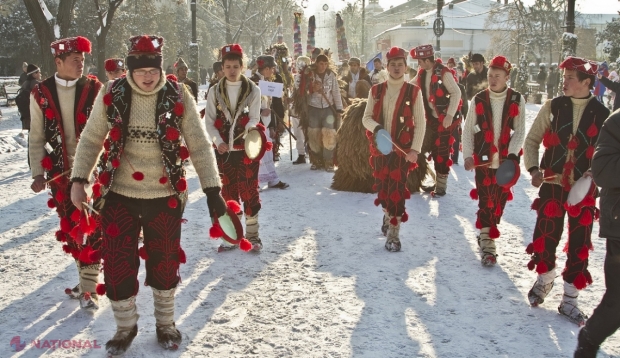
[(363, 26), (193, 48)]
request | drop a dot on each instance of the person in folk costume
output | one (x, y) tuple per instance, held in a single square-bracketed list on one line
[(356, 73), (218, 74), (270, 107), (181, 69), (233, 108), (398, 107), (59, 109), (325, 98), (494, 132), (568, 127), (378, 74), (147, 126), (115, 68), (442, 102), (298, 107)]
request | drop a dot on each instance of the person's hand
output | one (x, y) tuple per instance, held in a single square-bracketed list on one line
[(38, 184), (265, 112), (469, 164), (272, 133), (412, 156), (215, 201), (587, 174), (537, 178), (447, 121), (222, 148), (78, 195)]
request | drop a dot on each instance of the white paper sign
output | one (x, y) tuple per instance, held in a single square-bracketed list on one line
[(270, 89), (248, 73)]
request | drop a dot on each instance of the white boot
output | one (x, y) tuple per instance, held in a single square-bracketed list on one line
[(392, 243), (126, 317), (168, 336), (487, 248), (568, 307), (541, 288), (442, 185), (89, 276), (251, 232)]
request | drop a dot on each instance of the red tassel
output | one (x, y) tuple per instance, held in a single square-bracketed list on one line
[(95, 256), (268, 146), (439, 92), (405, 218), (588, 201), (583, 253), (488, 137), (449, 162), (60, 196), (586, 218), (479, 109), (580, 281), (513, 110), (215, 232), (142, 253), (172, 202), (539, 245), (139, 176), (245, 245), (88, 226), (451, 140), (552, 209), (182, 256), (84, 255), (66, 249), (478, 224), (107, 99), (179, 109), (96, 190), (247, 161), (163, 180), (75, 216), (590, 152), (104, 178), (531, 265), (473, 194), (494, 232), (234, 206), (377, 202), (573, 210), (542, 268), (510, 196), (181, 184), (65, 225), (51, 203), (573, 143), (592, 131), (100, 289), (183, 152), (530, 249), (393, 221)]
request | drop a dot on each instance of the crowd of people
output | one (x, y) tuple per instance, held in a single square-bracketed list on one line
[(114, 155)]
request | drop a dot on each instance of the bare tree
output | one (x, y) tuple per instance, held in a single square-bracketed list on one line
[(105, 16)]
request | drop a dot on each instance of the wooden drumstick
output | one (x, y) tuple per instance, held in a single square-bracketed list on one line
[(58, 176), (396, 145), (86, 215), (90, 207), (482, 165), (551, 177)]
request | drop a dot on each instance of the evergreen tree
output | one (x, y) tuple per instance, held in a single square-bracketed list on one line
[(610, 38)]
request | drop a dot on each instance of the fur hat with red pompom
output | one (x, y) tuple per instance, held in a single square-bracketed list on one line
[(422, 51), (114, 64), (70, 44), (396, 52), (145, 51), (500, 62)]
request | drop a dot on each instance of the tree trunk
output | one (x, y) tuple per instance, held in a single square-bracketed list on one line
[(103, 33)]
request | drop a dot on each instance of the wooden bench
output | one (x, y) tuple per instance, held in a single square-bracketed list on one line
[(10, 92)]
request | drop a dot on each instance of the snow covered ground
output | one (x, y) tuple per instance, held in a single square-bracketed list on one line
[(323, 286)]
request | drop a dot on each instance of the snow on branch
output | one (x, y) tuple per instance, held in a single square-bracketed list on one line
[(46, 12)]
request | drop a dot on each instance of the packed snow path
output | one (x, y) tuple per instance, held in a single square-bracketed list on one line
[(323, 286)]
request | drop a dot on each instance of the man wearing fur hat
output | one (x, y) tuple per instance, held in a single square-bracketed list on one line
[(397, 107), (147, 127), (233, 109), (442, 103), (271, 109), (59, 109), (568, 127), (494, 132), (356, 73), (115, 68), (477, 79), (181, 70)]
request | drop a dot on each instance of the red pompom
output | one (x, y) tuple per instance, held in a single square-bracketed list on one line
[(486, 181), (172, 133), (539, 244), (46, 163), (478, 224), (83, 44), (530, 249), (393, 221), (580, 281), (144, 44), (51, 203), (115, 133), (479, 109), (110, 65), (234, 206), (592, 131), (247, 161), (116, 162), (573, 210), (510, 196), (65, 225), (268, 146), (66, 249), (590, 152), (218, 123), (542, 268), (550, 139), (583, 253), (439, 92), (88, 226), (179, 108), (76, 233), (586, 218), (451, 140), (49, 114), (172, 77), (107, 99), (139, 176), (183, 152), (100, 289), (449, 162), (84, 255), (407, 194), (434, 78), (181, 184), (163, 180), (513, 110), (104, 178), (81, 118), (439, 159), (552, 209), (172, 202), (75, 215), (588, 201), (245, 245), (473, 194), (531, 265), (142, 253), (488, 137), (405, 137), (494, 232), (182, 257), (216, 231), (404, 218), (377, 202), (573, 143)]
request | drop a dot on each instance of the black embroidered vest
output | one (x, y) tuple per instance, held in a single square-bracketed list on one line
[(168, 115), (402, 127), (484, 141), (223, 125), (46, 95), (439, 97), (560, 141)]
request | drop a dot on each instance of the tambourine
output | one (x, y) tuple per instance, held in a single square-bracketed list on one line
[(508, 173), (580, 190), (255, 144), (229, 228), (383, 141)]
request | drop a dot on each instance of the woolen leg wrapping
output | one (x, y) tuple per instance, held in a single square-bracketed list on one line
[(125, 313), (442, 182), (329, 138), (164, 306), (570, 293), (487, 245), (314, 140), (394, 230), (89, 277), (251, 226), (547, 277)]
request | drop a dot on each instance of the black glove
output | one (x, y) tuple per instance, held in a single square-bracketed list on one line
[(514, 157), (215, 202)]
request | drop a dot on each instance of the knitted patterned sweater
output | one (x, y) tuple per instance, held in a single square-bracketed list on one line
[(142, 151)]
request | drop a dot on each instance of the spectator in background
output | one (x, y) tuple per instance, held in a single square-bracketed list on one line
[(378, 75), (477, 80), (612, 86), (451, 63), (114, 68), (33, 77), (356, 73), (24, 75), (203, 74), (541, 78), (553, 81)]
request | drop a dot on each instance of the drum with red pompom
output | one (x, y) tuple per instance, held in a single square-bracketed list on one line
[(508, 173), (255, 144), (580, 190)]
